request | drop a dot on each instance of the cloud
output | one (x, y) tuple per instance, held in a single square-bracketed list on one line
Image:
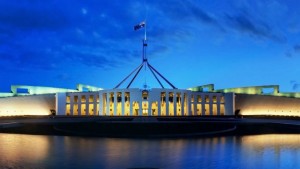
[(202, 16), (33, 15), (295, 85), (288, 54), (244, 23), (43, 37), (297, 48), (293, 52), (186, 13), (174, 22), (63, 77)]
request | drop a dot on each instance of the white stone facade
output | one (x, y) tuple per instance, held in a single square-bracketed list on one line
[(137, 102), (28, 105)]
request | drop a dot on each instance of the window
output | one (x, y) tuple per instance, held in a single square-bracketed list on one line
[(222, 100), (91, 98), (178, 98), (68, 109), (145, 95), (199, 99), (119, 97), (111, 97), (75, 99), (206, 98), (68, 99), (171, 97), (83, 98), (97, 98), (214, 99), (163, 96), (127, 96)]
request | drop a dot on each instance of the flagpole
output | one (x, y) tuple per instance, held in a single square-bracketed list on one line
[(145, 38), (145, 44), (145, 61)]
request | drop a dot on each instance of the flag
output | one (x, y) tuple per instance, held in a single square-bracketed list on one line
[(140, 25)]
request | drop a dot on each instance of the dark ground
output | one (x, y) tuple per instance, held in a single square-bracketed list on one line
[(197, 126)]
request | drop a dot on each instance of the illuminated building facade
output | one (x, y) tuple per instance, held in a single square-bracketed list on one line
[(198, 101), (136, 102)]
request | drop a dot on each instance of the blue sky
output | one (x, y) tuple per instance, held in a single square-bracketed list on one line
[(232, 43)]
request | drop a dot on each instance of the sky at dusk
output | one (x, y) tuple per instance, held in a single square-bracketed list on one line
[(231, 43)]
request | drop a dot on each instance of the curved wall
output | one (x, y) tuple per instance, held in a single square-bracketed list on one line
[(27, 105), (267, 105)]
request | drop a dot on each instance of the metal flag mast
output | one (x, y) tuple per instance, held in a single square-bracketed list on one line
[(144, 63)]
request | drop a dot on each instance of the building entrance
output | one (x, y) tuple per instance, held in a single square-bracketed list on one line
[(145, 108)]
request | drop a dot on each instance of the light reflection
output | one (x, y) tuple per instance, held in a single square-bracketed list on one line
[(266, 151), (23, 148), (275, 150), (272, 141)]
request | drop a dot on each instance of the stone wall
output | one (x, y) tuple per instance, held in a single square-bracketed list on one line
[(267, 105), (27, 105)]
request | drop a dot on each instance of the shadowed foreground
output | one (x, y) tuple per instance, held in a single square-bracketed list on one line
[(146, 126)]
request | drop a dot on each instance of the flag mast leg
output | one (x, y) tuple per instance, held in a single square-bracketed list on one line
[(145, 63)]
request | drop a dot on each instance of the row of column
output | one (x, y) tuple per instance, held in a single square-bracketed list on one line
[(71, 104), (136, 97), (182, 102), (210, 104)]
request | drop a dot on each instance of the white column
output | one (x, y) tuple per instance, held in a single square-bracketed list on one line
[(196, 103), (150, 104), (101, 111), (60, 103), (130, 107), (195, 106), (149, 108), (229, 103), (123, 103), (115, 103), (210, 105), (203, 111), (107, 103), (140, 107), (79, 108), (79, 104), (71, 104), (159, 105), (97, 111), (189, 98), (218, 104), (87, 106), (175, 103), (182, 103)]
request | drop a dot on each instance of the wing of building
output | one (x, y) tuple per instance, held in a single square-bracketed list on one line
[(202, 100)]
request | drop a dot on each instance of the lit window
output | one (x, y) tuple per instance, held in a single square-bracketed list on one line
[(214, 99), (68, 99), (206, 98), (83, 98), (76, 99), (222, 99), (91, 98), (199, 99)]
